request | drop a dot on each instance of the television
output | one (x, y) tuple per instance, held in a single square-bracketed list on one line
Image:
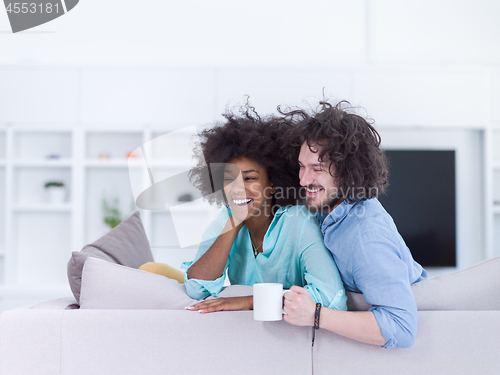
[(421, 200)]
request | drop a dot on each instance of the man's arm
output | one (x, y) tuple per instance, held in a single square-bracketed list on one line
[(376, 268), (357, 325)]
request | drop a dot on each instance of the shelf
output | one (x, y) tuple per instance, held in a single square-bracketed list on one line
[(42, 207), (184, 130), (119, 130), (496, 164), (3, 163), (176, 164), (496, 209), (124, 163), (34, 163), (36, 146), (116, 145), (108, 163)]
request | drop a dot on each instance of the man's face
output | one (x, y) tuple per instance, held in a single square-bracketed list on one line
[(321, 186)]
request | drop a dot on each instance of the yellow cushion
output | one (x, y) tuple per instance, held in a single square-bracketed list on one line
[(164, 270)]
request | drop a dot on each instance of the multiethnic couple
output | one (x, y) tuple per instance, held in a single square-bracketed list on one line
[(302, 210)]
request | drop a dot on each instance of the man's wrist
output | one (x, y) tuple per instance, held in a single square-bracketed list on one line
[(317, 314)]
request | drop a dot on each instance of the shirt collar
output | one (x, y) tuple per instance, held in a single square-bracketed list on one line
[(338, 213)]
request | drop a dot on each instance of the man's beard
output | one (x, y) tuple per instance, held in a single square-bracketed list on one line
[(326, 207)]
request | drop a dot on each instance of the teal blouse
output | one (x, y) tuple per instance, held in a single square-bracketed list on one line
[(293, 254)]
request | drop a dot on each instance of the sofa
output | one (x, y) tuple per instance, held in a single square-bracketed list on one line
[(126, 321)]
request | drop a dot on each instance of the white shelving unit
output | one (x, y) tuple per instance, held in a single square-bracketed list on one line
[(37, 237), (3, 164), (495, 181)]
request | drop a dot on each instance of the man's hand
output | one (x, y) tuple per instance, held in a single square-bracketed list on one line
[(299, 307), (223, 304)]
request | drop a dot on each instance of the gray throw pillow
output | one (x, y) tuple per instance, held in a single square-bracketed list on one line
[(126, 244)]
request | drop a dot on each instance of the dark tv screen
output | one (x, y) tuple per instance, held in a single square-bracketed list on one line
[(421, 200)]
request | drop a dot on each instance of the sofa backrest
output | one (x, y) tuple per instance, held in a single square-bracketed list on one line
[(474, 288)]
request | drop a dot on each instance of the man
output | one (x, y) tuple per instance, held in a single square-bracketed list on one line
[(343, 170)]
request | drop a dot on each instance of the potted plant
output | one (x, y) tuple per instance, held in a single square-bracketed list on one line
[(56, 191), (112, 215)]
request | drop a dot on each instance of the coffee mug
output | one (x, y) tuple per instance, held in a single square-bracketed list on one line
[(268, 301)]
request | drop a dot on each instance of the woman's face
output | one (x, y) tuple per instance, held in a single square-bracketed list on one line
[(247, 188)]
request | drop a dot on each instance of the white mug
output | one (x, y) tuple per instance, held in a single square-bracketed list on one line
[(268, 301)]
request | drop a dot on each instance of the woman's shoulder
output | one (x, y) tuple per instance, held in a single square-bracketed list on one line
[(295, 215), (300, 227)]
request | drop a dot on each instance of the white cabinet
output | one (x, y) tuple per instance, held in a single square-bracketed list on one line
[(3, 154), (37, 236), (35, 94), (174, 95), (495, 180)]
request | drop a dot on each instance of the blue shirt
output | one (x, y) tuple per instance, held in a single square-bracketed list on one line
[(373, 259), (293, 254)]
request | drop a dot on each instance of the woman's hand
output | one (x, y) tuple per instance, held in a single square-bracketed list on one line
[(223, 304), (299, 307)]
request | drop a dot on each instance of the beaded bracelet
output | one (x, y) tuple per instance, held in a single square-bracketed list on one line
[(316, 322), (316, 316)]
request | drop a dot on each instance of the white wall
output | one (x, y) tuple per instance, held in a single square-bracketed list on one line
[(199, 33), (278, 33), (392, 57)]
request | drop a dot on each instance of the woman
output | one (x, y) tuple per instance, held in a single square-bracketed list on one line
[(261, 236)]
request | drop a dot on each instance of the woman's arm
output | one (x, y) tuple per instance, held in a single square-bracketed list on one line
[(320, 272), (223, 304), (211, 265), (208, 269)]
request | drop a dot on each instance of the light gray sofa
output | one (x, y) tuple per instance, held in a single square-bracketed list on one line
[(126, 321), (133, 332)]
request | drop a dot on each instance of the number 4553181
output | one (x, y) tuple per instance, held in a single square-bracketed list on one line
[(32, 8)]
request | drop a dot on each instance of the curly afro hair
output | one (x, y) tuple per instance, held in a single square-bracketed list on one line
[(349, 142), (246, 135)]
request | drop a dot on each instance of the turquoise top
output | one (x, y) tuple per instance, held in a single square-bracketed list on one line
[(293, 254)]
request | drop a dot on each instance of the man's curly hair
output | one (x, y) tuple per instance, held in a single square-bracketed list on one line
[(246, 135), (349, 142)]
